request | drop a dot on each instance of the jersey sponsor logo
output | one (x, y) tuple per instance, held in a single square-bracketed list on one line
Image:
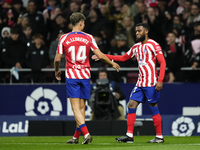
[(183, 126), (141, 62), (16, 127), (79, 66), (43, 102)]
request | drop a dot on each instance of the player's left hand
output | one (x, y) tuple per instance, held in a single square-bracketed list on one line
[(58, 75), (159, 86)]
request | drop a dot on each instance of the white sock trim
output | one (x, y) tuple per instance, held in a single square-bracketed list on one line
[(159, 136), (129, 135), (86, 135)]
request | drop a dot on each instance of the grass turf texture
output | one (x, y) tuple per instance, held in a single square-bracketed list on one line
[(99, 143)]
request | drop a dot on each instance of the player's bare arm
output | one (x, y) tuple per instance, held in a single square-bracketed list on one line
[(105, 59), (56, 66), (115, 58), (162, 62)]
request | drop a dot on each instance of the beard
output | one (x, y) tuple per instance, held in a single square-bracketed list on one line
[(141, 39)]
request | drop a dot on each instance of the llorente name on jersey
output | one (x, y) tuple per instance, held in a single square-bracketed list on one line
[(77, 39)]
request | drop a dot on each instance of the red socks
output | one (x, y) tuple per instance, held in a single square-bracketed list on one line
[(157, 124), (84, 129), (77, 132), (131, 117)]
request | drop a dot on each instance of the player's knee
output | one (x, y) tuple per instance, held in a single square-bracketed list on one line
[(132, 104)]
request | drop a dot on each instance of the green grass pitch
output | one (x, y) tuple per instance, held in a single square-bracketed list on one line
[(99, 143)]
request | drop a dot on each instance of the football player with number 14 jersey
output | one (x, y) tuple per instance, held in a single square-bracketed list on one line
[(76, 46)]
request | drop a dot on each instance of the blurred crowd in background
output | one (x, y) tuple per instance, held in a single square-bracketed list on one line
[(30, 30)]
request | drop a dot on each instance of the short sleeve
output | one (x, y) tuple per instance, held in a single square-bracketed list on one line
[(93, 43), (131, 51), (60, 44), (158, 49)]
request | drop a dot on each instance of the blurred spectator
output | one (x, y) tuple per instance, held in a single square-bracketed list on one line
[(175, 24), (5, 35), (196, 1), (169, 6), (59, 23), (194, 51), (53, 49), (155, 23), (102, 44), (180, 8), (18, 9), (22, 22), (7, 9), (129, 30), (174, 58), (195, 75), (85, 8), (63, 5), (49, 11), (94, 22), (36, 18), (194, 16), (73, 7), (196, 31), (13, 8), (120, 49), (27, 35), (52, 54), (108, 24), (40, 5), (3, 19), (193, 38), (103, 9), (185, 12), (37, 58), (14, 52), (7, 4), (118, 18), (141, 17), (134, 7), (57, 11), (115, 7)]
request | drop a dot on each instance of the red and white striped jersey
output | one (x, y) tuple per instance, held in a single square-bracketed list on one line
[(146, 57), (76, 47)]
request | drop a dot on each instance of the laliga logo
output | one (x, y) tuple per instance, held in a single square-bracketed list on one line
[(43, 102), (183, 126)]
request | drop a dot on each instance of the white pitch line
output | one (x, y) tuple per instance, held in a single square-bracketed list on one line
[(76, 144)]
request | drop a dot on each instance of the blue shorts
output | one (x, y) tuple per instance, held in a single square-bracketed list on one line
[(78, 88), (141, 94)]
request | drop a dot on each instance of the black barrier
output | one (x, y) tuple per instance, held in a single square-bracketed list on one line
[(67, 128), (45, 128)]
